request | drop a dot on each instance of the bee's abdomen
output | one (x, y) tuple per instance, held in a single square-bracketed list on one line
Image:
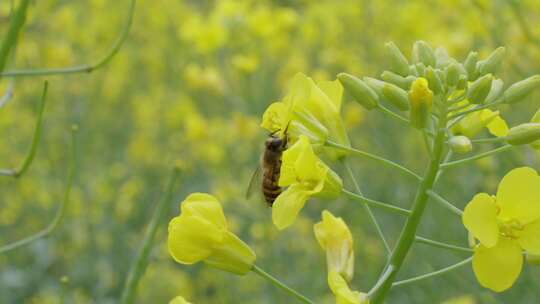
[(270, 187)]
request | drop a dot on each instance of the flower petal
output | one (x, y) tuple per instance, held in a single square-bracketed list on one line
[(519, 196), (232, 255), (480, 218), (192, 239), (288, 204), (276, 117), (339, 287), (206, 207), (497, 268), (529, 238), (498, 127)]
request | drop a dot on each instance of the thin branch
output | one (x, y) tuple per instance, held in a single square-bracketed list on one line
[(10, 40), (61, 210), (433, 243), (281, 285), (476, 157), (379, 159), (141, 261), (368, 209), (35, 140), (432, 274), (375, 203), (498, 101), (444, 202), (392, 114), (85, 68)]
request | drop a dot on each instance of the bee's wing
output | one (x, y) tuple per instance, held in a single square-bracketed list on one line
[(255, 184)]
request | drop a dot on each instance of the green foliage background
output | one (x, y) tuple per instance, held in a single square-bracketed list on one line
[(189, 86)]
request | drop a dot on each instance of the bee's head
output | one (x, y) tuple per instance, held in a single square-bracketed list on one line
[(274, 143)]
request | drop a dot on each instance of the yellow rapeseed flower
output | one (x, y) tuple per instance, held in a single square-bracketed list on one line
[(421, 99), (505, 225), (344, 295), (200, 233), (475, 122), (309, 109), (335, 238), (305, 175)]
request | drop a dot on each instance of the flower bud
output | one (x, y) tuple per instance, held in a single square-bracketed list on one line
[(398, 62), (470, 65), (420, 68), (423, 53), (460, 144), (462, 82), (435, 83), (453, 71), (496, 90), (396, 96), (492, 63), (523, 134), (179, 300), (521, 89), (536, 118), (421, 100), (359, 90), (413, 71), (375, 84), (400, 81), (479, 89), (442, 58)]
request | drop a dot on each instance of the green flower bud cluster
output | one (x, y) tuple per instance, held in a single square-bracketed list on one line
[(431, 80)]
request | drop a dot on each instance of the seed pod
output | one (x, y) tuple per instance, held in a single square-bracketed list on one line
[(470, 65), (423, 53), (536, 118), (460, 144), (400, 81), (398, 61), (479, 89), (421, 100), (359, 90), (396, 96), (435, 83), (521, 89), (523, 134), (492, 63)]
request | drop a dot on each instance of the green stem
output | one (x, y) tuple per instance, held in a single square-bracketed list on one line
[(141, 260), (477, 108), (35, 140), (59, 213), (10, 40), (408, 233), (488, 140), (279, 284), (374, 157), (433, 274), (85, 68), (427, 241), (367, 208), (374, 203), (392, 114), (444, 203), (476, 157)]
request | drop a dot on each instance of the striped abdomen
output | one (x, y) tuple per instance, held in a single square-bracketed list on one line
[(270, 179)]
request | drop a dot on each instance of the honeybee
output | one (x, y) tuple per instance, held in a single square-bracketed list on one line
[(267, 173)]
